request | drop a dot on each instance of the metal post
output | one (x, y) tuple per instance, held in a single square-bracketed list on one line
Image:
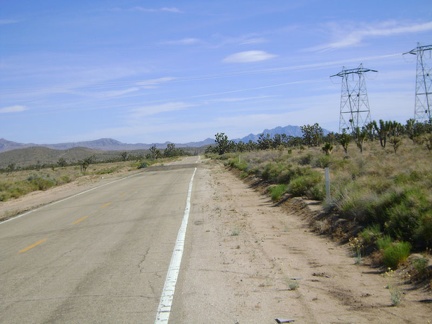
[(327, 184)]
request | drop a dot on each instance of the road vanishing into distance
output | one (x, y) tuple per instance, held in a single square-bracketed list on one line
[(98, 257)]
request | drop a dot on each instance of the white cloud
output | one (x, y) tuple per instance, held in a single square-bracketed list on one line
[(163, 9), (153, 83), (12, 109), (359, 33), (248, 57), (183, 41), (158, 109)]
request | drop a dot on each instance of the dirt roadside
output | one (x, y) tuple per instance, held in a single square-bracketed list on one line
[(248, 261), (252, 262)]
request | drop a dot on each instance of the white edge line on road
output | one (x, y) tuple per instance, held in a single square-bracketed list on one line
[(167, 296), (64, 199)]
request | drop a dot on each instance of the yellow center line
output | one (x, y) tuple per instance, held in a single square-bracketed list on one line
[(106, 205), (33, 245), (79, 220)]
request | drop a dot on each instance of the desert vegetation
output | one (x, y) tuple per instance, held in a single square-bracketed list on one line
[(17, 180), (380, 182)]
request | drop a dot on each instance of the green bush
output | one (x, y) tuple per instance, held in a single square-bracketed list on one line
[(371, 234), (305, 159), (318, 192), (322, 161), (423, 233), (396, 253), (41, 183), (405, 216), (143, 165), (384, 242), (420, 265), (277, 191), (238, 163), (302, 185)]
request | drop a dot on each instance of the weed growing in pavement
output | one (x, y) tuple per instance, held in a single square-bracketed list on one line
[(293, 284), (235, 232)]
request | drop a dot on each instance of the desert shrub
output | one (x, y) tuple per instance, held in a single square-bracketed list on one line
[(41, 183), (356, 203), (65, 179), (107, 170), (405, 215), (142, 165), (377, 210), (277, 191), (322, 161), (270, 171), (238, 163), (371, 234), (318, 192), (396, 253), (423, 233), (305, 159), (420, 265), (384, 242), (408, 177), (302, 184)]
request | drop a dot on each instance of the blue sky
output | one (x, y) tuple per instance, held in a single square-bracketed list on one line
[(181, 71)]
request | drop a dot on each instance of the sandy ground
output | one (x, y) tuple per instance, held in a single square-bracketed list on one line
[(252, 262), (249, 261)]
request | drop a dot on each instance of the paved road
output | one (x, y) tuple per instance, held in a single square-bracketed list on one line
[(100, 257)]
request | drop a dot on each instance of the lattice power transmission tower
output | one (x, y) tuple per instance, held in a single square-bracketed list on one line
[(423, 95), (354, 104)]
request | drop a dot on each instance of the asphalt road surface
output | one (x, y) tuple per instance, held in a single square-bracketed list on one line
[(98, 257)]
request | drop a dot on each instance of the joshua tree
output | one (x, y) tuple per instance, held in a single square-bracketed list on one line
[(344, 140), (223, 144), (360, 137), (327, 148)]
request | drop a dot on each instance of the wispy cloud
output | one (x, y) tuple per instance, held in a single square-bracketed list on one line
[(163, 9), (153, 83), (12, 109), (362, 32), (8, 21), (248, 57), (183, 41), (253, 40), (240, 99), (158, 109)]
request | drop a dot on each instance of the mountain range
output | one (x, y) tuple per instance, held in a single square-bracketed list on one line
[(109, 144)]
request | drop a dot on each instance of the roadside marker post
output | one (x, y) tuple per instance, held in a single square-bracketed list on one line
[(327, 184)]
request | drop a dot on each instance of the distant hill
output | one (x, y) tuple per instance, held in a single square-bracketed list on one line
[(30, 154), (38, 155), (288, 130), (104, 144)]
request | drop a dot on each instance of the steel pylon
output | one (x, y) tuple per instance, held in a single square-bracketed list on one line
[(354, 103), (423, 94)]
